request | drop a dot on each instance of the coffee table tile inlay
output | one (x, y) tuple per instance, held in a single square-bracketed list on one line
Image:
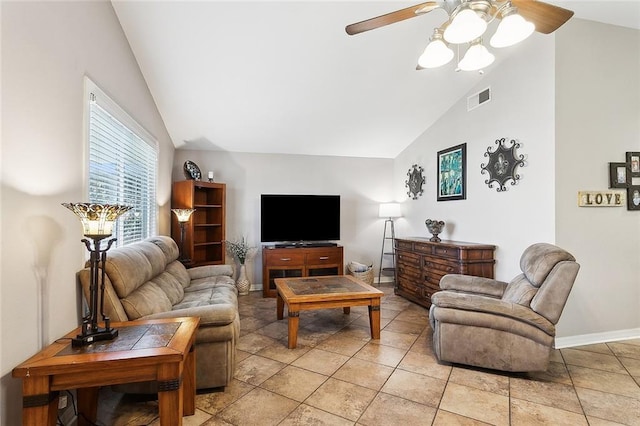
[(159, 350), (336, 291)]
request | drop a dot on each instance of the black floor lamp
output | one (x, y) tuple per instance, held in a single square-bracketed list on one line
[(97, 223)]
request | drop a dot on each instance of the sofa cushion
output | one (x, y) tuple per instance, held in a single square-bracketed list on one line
[(131, 266), (539, 259), (167, 245), (146, 300), (178, 270), (211, 282), (170, 285), (519, 291)]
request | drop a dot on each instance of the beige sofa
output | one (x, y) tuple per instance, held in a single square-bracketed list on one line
[(144, 280)]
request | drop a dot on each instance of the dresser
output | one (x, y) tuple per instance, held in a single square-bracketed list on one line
[(421, 263)]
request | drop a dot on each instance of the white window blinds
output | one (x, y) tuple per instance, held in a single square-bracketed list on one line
[(122, 168)]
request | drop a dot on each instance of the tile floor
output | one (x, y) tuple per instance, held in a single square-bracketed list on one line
[(339, 376)]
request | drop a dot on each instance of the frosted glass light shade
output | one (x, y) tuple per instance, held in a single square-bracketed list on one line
[(97, 219), (390, 210), (477, 57), (183, 215), (467, 25), (512, 29), (436, 54)]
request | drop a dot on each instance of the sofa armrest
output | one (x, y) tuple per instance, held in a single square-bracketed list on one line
[(210, 271), (474, 285), (210, 315), (490, 305)]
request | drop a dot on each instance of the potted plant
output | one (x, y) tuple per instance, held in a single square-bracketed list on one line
[(241, 251)]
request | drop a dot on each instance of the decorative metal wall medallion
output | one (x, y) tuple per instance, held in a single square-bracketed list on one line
[(502, 165), (415, 181)]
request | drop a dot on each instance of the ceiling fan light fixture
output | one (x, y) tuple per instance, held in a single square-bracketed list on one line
[(437, 53), (512, 29), (477, 57), (465, 25)]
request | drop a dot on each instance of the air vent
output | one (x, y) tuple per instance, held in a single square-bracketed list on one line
[(477, 99)]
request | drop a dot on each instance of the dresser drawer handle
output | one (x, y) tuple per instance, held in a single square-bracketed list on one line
[(324, 257), (285, 259)]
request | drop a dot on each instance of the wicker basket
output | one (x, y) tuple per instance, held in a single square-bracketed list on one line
[(366, 276)]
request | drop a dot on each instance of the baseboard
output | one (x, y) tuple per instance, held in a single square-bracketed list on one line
[(593, 338)]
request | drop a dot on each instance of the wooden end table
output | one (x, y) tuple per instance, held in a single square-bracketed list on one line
[(335, 291), (160, 350)]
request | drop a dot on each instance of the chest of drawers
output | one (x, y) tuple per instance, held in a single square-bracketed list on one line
[(421, 263)]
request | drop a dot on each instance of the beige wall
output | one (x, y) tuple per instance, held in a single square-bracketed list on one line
[(597, 121), (47, 49), (521, 108), (362, 184)]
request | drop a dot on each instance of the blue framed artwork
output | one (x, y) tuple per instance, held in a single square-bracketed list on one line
[(452, 174)]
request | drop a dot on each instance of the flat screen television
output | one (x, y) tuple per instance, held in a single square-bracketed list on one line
[(299, 219)]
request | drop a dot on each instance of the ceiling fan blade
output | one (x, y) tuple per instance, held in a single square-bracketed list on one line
[(546, 17), (391, 18)]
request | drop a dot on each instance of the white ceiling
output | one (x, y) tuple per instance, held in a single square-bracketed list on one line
[(284, 77)]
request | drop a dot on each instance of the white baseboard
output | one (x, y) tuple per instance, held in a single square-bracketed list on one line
[(593, 338)]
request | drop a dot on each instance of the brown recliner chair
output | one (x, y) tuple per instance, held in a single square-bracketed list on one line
[(510, 327)]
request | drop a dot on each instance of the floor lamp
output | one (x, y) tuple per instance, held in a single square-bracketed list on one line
[(389, 211), (97, 223), (183, 216)]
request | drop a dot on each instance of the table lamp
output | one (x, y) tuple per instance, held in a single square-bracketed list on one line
[(97, 223)]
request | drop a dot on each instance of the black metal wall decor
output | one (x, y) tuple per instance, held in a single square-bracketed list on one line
[(627, 176), (502, 165), (415, 181)]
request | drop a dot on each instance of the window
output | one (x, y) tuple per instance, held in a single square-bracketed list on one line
[(122, 166)]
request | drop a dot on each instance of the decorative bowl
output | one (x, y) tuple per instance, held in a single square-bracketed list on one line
[(435, 227)]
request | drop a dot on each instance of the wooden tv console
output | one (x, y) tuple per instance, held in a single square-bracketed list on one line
[(293, 262)]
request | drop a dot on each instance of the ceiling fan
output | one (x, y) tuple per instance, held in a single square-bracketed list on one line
[(468, 20)]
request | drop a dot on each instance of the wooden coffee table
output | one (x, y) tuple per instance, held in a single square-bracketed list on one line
[(335, 291), (160, 350)]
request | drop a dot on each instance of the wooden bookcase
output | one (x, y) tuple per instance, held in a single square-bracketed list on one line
[(298, 262), (421, 263), (205, 231)]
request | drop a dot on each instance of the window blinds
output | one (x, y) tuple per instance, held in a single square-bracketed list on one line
[(122, 170)]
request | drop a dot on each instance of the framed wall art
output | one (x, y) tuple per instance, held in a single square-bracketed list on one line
[(452, 174), (633, 198), (633, 160), (618, 175)]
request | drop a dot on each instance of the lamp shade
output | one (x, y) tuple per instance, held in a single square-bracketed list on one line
[(477, 57), (512, 29), (465, 26), (97, 219), (390, 210), (436, 54), (183, 215)]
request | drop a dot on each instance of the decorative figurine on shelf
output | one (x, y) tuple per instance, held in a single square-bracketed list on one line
[(210, 176), (435, 227), (191, 170), (241, 251)]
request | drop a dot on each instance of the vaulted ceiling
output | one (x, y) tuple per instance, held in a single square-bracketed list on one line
[(284, 77)]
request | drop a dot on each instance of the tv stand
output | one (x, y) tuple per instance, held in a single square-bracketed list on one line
[(299, 261), (306, 244)]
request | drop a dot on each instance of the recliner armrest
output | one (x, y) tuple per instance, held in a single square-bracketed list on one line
[(210, 271), (474, 285), (490, 305)]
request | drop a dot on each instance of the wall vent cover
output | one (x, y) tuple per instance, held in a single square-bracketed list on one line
[(477, 99)]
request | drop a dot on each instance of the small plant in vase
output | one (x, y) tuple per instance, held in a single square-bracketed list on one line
[(241, 251)]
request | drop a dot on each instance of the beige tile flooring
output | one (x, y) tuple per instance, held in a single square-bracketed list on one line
[(339, 376)]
